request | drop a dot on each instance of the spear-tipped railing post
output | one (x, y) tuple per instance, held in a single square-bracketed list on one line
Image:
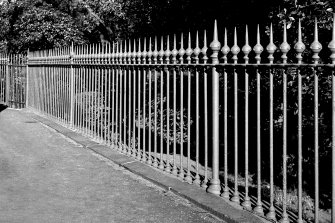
[(235, 51), (271, 48), (205, 58), (214, 184), (284, 48), (299, 48), (246, 49), (331, 47), (258, 49), (72, 88), (316, 47)]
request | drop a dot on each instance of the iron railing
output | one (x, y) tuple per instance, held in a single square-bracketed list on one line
[(256, 133), (13, 80)]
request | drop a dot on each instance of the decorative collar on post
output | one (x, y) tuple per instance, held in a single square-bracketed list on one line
[(271, 48), (299, 46), (246, 49), (258, 48)]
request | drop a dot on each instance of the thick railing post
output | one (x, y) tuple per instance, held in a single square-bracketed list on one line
[(72, 89), (214, 187), (7, 81)]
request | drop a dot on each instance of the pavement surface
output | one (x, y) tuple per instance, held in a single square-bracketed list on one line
[(47, 177)]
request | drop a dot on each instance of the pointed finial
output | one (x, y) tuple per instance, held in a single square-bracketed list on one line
[(167, 51), (204, 48), (144, 52), (149, 54), (181, 50), (258, 48), (174, 51), (246, 49), (299, 46), (225, 49), (316, 46), (139, 53), (235, 49), (284, 47), (331, 45), (215, 45), (197, 49), (189, 50), (155, 52), (134, 53), (161, 52), (271, 48)]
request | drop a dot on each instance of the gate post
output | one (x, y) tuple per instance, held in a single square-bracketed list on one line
[(214, 184), (7, 81), (71, 89)]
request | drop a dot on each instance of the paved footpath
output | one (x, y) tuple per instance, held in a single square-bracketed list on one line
[(45, 177)]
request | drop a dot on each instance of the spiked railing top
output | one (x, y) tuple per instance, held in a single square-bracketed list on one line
[(161, 52), (155, 52), (144, 52), (204, 49), (149, 54), (271, 48), (174, 52), (246, 49), (225, 49), (316, 46), (167, 51), (235, 49), (197, 49), (258, 48), (331, 45), (189, 50), (181, 51), (124, 52), (299, 46)]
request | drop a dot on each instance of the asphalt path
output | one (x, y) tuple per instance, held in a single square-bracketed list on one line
[(45, 177)]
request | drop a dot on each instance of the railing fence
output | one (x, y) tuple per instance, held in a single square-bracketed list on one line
[(256, 133)]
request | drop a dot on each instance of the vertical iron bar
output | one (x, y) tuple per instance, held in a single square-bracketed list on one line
[(235, 50)]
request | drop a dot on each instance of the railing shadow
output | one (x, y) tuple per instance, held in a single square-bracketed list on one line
[(3, 107)]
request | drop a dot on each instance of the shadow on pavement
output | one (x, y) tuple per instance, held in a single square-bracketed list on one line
[(2, 107)]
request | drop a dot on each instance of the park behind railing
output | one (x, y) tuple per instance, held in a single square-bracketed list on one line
[(256, 133), (13, 80)]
